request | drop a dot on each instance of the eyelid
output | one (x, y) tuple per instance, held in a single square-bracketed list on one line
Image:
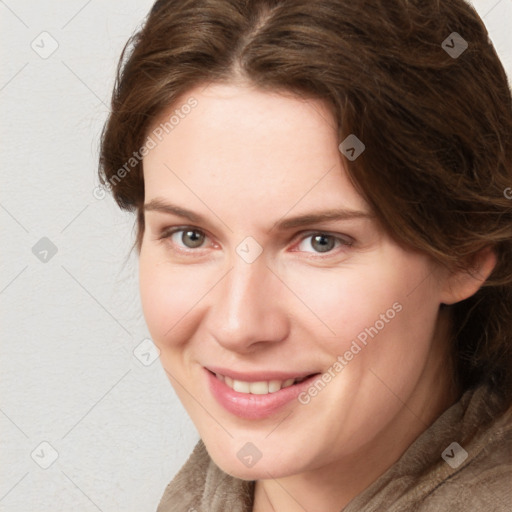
[(344, 238), (345, 241), (166, 234)]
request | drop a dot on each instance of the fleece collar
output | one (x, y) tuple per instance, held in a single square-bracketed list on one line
[(432, 475)]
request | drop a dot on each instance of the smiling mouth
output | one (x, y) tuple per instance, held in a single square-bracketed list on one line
[(263, 387)]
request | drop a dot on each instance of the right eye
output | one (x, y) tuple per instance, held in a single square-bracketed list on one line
[(185, 238)]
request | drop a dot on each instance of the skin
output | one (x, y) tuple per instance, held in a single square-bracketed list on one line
[(244, 160)]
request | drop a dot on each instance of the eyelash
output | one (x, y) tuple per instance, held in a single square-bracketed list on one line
[(343, 242)]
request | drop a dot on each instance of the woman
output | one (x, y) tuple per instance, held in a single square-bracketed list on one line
[(325, 248)]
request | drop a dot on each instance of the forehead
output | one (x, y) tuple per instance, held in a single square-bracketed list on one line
[(240, 146)]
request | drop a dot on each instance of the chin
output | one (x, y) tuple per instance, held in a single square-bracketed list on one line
[(262, 469)]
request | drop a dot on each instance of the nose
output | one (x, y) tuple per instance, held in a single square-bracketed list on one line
[(248, 309)]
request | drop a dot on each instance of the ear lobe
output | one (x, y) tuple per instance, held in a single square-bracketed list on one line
[(462, 284)]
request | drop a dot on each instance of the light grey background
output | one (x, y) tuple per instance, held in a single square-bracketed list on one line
[(71, 321)]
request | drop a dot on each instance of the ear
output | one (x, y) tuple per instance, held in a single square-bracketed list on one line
[(464, 283)]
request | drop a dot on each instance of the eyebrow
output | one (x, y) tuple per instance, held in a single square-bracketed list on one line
[(157, 205), (308, 219), (321, 216)]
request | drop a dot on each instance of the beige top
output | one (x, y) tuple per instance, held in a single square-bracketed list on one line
[(432, 475)]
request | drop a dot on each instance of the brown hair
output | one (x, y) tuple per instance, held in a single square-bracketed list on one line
[(437, 126)]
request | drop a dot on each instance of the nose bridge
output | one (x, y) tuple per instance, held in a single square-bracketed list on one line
[(247, 309), (245, 290)]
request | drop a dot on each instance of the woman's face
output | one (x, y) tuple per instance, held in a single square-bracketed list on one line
[(260, 262)]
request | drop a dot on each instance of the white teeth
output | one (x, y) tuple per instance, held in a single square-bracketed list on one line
[(240, 386), (274, 385), (288, 383), (257, 388)]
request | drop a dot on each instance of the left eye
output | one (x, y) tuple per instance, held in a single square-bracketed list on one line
[(321, 243), (189, 238)]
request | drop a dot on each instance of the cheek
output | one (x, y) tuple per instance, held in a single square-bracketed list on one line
[(169, 296), (374, 301), (345, 301)]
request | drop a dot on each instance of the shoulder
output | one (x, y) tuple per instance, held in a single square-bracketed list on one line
[(478, 476), (183, 491), (462, 462)]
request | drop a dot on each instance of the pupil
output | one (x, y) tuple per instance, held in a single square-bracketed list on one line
[(322, 243), (192, 239)]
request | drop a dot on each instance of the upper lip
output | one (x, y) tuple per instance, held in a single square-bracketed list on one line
[(259, 376)]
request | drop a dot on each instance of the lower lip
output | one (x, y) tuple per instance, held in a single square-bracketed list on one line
[(254, 407)]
